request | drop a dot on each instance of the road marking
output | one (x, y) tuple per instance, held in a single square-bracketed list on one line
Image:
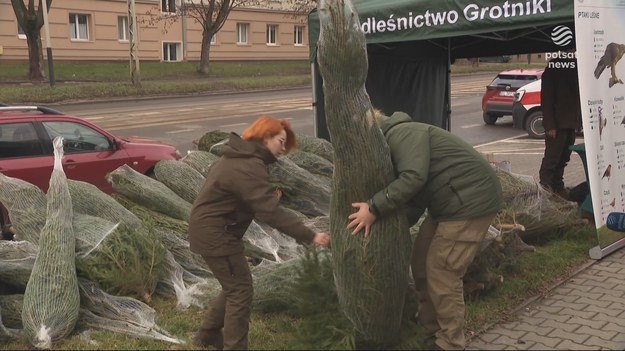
[(233, 125), (519, 150), (472, 126), (517, 153), (139, 114), (181, 131), (499, 141)]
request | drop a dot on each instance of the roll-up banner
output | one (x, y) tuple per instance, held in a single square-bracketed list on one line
[(600, 43)]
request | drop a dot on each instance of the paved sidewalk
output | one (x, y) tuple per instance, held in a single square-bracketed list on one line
[(585, 312)]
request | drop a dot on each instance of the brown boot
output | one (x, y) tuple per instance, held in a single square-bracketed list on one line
[(204, 341)]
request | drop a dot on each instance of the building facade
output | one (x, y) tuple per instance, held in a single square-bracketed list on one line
[(97, 30)]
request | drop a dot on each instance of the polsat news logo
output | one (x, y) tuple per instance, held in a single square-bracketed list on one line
[(563, 37)]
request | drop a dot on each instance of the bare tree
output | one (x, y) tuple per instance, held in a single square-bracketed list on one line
[(31, 21), (301, 7), (211, 15)]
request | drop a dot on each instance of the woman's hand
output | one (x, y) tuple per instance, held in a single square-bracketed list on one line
[(278, 193), (363, 218), (321, 239)]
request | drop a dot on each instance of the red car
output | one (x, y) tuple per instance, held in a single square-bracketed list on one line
[(26, 134), (499, 96)]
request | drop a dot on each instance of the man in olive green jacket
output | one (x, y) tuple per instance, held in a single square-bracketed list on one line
[(437, 171)]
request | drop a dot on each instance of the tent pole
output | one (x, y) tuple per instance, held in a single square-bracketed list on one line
[(448, 86)]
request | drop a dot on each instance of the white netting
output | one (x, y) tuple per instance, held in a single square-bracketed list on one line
[(51, 299), (118, 314), (179, 247), (185, 286), (26, 204)]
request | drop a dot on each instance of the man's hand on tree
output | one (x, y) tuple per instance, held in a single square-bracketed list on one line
[(363, 218)]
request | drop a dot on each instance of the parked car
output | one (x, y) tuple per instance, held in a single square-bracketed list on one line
[(26, 134), (496, 59), (499, 96), (527, 113)]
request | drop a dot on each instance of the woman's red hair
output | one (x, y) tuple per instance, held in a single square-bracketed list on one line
[(268, 127)]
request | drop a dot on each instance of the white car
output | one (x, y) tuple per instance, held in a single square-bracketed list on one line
[(527, 113)]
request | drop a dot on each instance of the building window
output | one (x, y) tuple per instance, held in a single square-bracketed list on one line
[(168, 6), (272, 34), (298, 35), (214, 39), (123, 31), (172, 52), (78, 26), (242, 29)]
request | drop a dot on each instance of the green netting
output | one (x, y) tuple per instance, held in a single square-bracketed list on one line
[(218, 148), (211, 138), (180, 177), (317, 146), (177, 226), (148, 192), (129, 262), (11, 306), (52, 299), (88, 199), (7, 333), (200, 160), (16, 262), (301, 190), (313, 163)]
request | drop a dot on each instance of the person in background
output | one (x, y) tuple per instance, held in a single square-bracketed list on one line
[(236, 191), (562, 118), (438, 172)]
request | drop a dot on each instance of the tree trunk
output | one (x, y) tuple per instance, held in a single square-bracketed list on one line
[(371, 273), (205, 56), (35, 55)]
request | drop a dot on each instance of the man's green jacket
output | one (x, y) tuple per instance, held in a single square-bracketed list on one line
[(437, 171)]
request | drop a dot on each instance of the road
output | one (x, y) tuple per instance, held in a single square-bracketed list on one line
[(180, 120)]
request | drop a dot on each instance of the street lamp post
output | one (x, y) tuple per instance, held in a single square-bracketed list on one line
[(44, 4)]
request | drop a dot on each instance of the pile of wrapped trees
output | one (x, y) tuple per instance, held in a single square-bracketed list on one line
[(82, 259)]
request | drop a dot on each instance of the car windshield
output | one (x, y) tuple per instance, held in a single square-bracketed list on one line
[(512, 80)]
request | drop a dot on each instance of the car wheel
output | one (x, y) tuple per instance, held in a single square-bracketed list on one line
[(489, 119), (534, 125)]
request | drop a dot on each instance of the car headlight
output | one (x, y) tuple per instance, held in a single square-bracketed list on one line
[(518, 95)]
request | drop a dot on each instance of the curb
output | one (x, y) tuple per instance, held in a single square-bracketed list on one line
[(158, 97)]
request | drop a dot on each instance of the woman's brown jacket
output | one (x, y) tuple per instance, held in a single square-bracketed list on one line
[(236, 191)]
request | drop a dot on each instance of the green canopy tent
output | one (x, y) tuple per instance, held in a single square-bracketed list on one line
[(412, 43)]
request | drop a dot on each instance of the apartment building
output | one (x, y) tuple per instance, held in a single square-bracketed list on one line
[(97, 30)]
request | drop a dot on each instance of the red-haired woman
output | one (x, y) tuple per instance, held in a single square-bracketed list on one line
[(236, 191)]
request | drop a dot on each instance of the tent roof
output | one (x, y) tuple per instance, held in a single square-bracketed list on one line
[(468, 28)]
